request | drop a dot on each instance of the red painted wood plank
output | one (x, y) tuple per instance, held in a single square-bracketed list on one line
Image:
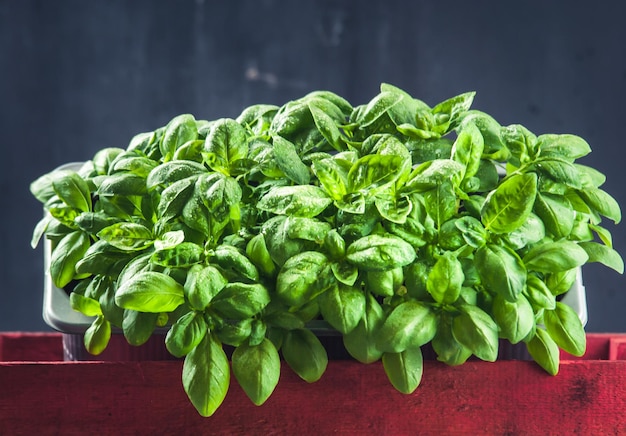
[(48, 347), (617, 350), (30, 347), (587, 397)]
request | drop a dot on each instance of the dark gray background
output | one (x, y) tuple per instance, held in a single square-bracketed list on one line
[(77, 76)]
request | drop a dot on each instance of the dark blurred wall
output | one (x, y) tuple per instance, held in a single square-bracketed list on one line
[(76, 76)]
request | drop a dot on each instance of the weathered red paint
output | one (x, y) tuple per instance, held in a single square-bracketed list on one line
[(40, 394)]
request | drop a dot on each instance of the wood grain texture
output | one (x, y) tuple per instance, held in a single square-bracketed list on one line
[(509, 397)]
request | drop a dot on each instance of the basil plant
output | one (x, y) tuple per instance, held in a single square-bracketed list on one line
[(396, 223)]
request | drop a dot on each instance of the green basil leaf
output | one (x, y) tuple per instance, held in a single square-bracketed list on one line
[(111, 311), (413, 132), (289, 162), (448, 349), (377, 107), (86, 306), (544, 351), (432, 173), (555, 256), (390, 145), (257, 369), (501, 271), (334, 244), (445, 279), (380, 283), (538, 293), (413, 230), (174, 171), (426, 150), (404, 369), (604, 234), (258, 331), (131, 162), (226, 143), (516, 319), (303, 277), (97, 336), (305, 354), (410, 324), (169, 239), (93, 222), (181, 255), (41, 229), (520, 142), (374, 172), (590, 177), (279, 245), (352, 203), (122, 184), (190, 151), (150, 291), (103, 258), (565, 328), (138, 326), (240, 300), (72, 190), (415, 279), (326, 125), (468, 149), (489, 129), (145, 142), (202, 284), (557, 214), (186, 333), (393, 208), (342, 307), (178, 131), (508, 206), (333, 178), (338, 102), (454, 107), (43, 187), (487, 175), (441, 202), (235, 332), (257, 252), (602, 203), (345, 273), (196, 215), (283, 320), (65, 255), (560, 171), (603, 254), (531, 232), (361, 341), (304, 201), (472, 231), (257, 117), (308, 229), (379, 253), (568, 147), (561, 282), (474, 329), (133, 266), (291, 118), (127, 236), (234, 263), (206, 375)]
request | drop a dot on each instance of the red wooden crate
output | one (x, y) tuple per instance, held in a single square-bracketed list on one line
[(40, 394)]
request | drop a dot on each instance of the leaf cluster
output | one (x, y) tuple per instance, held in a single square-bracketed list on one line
[(397, 223)]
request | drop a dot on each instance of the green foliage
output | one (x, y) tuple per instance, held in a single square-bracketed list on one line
[(394, 223)]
